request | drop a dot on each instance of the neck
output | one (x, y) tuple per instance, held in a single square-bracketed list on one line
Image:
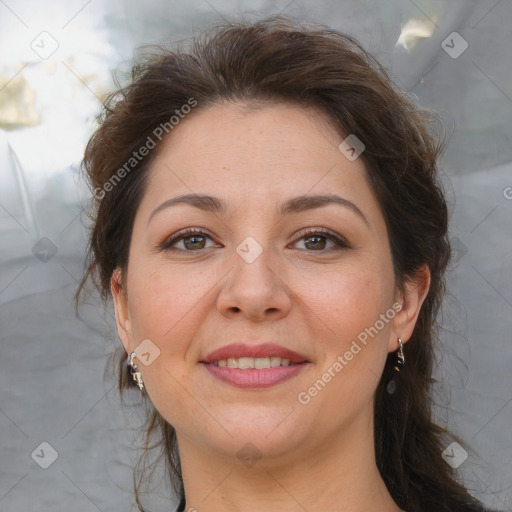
[(340, 473)]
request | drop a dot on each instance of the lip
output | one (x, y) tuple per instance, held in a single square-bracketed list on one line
[(238, 350), (263, 378)]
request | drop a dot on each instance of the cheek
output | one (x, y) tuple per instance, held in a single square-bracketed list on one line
[(347, 299), (168, 307), (167, 304), (348, 302), (353, 335)]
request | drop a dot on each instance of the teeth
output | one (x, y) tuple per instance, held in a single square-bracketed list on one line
[(258, 363), (276, 361)]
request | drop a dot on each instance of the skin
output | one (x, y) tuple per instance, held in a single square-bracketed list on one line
[(302, 293)]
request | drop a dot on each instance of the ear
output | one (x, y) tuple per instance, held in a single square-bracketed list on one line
[(120, 299), (411, 300)]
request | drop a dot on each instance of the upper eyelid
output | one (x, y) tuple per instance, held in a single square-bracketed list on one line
[(186, 232), (312, 231)]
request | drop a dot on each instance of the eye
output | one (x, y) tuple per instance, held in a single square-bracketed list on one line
[(193, 239), (317, 239)]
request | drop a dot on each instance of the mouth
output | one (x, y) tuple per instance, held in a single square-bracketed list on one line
[(254, 366), (254, 363)]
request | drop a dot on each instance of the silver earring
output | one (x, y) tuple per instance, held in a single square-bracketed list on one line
[(136, 375), (401, 358)]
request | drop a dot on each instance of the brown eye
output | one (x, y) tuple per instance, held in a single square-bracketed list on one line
[(194, 242), (316, 241), (191, 240)]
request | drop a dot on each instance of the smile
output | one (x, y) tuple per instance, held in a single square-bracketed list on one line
[(257, 363)]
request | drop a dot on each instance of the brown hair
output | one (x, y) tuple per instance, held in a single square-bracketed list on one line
[(279, 61)]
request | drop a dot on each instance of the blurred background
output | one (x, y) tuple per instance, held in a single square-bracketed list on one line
[(65, 437)]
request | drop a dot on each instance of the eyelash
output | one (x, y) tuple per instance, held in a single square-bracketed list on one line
[(340, 243)]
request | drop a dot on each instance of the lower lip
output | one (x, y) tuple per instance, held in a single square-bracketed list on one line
[(263, 378)]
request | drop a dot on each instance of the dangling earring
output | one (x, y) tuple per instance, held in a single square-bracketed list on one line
[(391, 387), (136, 375), (401, 358)]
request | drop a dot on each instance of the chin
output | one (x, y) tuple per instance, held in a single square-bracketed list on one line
[(272, 433)]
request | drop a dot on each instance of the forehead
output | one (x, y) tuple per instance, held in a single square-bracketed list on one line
[(260, 127), (263, 150)]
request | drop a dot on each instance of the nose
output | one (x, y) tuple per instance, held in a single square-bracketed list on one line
[(255, 290)]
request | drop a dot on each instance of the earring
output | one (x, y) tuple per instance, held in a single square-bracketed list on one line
[(136, 375), (391, 387), (401, 358)]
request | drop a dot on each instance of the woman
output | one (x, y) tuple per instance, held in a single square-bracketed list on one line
[(271, 228)]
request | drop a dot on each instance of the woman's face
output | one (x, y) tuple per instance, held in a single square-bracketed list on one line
[(276, 264)]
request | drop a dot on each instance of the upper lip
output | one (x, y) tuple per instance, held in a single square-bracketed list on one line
[(238, 350)]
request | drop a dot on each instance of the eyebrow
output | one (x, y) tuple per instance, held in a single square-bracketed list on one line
[(294, 205)]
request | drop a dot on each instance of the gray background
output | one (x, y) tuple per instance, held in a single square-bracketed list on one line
[(52, 384)]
